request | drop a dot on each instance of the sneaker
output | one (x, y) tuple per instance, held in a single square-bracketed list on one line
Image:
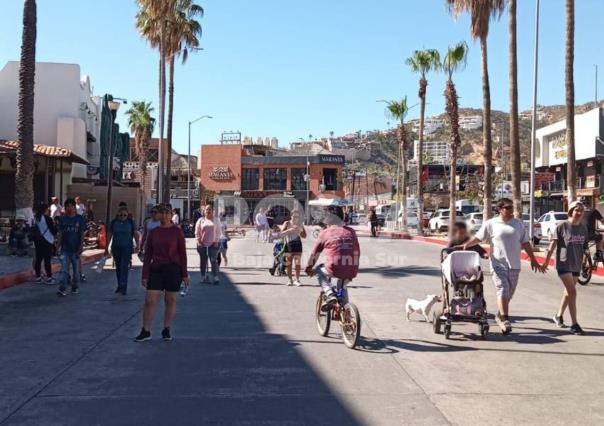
[(503, 323), (165, 334), (559, 321), (143, 336), (204, 280), (82, 278), (216, 281), (576, 329), (297, 283), (38, 280), (329, 302), (50, 281), (75, 290), (124, 292), (290, 283), (61, 292), (118, 290)]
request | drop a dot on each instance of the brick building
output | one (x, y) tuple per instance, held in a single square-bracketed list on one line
[(241, 178)]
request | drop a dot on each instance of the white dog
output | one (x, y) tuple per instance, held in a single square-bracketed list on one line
[(422, 306)]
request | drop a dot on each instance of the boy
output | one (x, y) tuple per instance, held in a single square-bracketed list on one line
[(72, 228), (460, 237)]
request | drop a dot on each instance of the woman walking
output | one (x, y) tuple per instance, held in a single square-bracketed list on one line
[(43, 232), (124, 241), (164, 269), (373, 222), (223, 242), (570, 241), (207, 234), (293, 231)]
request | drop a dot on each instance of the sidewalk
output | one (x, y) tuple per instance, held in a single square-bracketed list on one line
[(19, 270)]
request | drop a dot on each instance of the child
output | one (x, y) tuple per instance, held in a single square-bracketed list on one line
[(460, 237), (275, 233)]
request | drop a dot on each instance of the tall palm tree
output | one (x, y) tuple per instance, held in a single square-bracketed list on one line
[(141, 124), (480, 12), (571, 179), (514, 137), (24, 176), (422, 62), (455, 60), (183, 33), (398, 110), (152, 25)]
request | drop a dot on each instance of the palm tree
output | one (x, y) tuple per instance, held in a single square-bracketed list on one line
[(183, 33), (141, 123), (455, 60), (151, 24), (571, 179), (422, 62), (24, 176), (480, 12), (514, 138), (398, 110)]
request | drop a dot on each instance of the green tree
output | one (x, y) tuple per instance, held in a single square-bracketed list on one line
[(141, 124), (422, 62), (480, 12), (24, 176), (455, 60)]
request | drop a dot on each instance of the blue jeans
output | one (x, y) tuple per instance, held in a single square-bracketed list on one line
[(67, 259), (122, 257)]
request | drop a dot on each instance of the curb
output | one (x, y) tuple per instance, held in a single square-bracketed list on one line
[(22, 277)]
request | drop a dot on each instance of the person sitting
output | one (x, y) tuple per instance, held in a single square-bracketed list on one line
[(342, 252), (17, 241), (460, 237)]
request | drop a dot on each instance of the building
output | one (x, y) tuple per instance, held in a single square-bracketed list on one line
[(431, 125), (69, 120), (435, 152), (470, 122), (551, 157), (240, 178)]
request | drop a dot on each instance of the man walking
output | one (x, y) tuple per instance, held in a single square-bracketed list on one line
[(55, 208), (507, 237), (72, 227), (261, 225)]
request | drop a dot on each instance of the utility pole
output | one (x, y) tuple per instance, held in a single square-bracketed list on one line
[(534, 124)]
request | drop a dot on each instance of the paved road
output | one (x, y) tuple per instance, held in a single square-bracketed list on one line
[(247, 352)]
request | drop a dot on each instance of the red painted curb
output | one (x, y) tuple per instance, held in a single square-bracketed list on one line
[(17, 278)]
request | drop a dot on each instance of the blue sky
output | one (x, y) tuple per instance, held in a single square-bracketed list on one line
[(289, 68)]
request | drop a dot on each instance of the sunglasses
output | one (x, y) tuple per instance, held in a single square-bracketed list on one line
[(507, 207)]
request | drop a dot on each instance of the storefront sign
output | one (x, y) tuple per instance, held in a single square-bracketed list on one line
[(221, 173), (558, 145), (332, 159)]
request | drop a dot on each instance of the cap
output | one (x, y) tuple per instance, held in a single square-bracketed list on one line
[(574, 205)]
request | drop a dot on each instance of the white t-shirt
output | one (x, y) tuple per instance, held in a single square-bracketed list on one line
[(55, 210), (80, 209), (175, 219), (506, 239), (261, 219)]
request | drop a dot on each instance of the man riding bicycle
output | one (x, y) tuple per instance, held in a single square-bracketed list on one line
[(342, 251), (592, 218)]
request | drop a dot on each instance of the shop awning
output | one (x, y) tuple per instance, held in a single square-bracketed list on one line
[(9, 148)]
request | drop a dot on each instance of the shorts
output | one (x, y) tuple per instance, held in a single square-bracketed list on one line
[(505, 280), (165, 277), (564, 272), (597, 237), (294, 246)]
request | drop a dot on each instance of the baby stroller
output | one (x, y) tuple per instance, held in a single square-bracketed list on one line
[(279, 267), (463, 297)]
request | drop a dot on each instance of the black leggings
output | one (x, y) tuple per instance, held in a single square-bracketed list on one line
[(43, 253)]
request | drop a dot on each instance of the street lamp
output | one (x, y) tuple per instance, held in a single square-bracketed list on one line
[(113, 106), (307, 179), (189, 165)]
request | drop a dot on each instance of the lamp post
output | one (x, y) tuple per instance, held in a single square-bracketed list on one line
[(307, 179), (114, 105), (189, 165), (534, 125)]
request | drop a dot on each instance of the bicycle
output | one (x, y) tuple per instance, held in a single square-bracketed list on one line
[(346, 313), (588, 266)]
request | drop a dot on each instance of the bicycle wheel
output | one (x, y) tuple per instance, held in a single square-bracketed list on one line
[(586, 271), (351, 325), (323, 319)]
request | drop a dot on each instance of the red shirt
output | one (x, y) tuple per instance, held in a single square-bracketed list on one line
[(342, 251), (165, 245)]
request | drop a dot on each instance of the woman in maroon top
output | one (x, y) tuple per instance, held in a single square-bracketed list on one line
[(164, 269)]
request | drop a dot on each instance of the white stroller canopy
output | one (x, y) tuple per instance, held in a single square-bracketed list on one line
[(461, 265)]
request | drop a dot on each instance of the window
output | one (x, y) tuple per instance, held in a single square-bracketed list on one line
[(330, 179), (250, 179), (275, 179), (298, 182)]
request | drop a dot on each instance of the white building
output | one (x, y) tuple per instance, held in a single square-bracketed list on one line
[(431, 125), (470, 122), (66, 114), (437, 152)]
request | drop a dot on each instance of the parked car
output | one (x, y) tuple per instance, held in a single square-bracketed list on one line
[(412, 221), (474, 222), (549, 222), (381, 219), (537, 235), (358, 218), (439, 222)]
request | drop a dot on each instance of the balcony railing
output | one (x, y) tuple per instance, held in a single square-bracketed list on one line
[(179, 193), (582, 183)]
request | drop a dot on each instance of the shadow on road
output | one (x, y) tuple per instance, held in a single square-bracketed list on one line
[(73, 361)]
